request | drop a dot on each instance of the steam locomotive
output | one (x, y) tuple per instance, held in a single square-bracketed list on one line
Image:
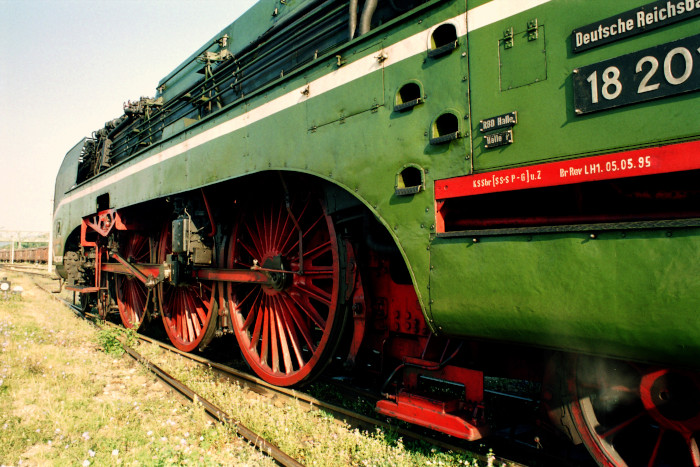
[(428, 192)]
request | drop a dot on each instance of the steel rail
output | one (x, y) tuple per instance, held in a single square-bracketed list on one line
[(353, 418), (259, 442), (215, 412)]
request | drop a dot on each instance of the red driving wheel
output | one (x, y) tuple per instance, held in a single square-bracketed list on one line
[(189, 308), (287, 330)]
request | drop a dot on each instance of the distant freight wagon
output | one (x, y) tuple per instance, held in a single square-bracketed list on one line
[(26, 255), (427, 192)]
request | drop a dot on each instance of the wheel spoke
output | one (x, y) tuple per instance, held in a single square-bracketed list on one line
[(274, 343), (314, 292), (314, 253), (284, 235), (309, 310), (265, 335), (131, 293), (282, 333), (251, 313), (655, 451), (193, 314), (258, 312), (300, 323), (256, 248), (620, 426), (692, 442), (294, 236)]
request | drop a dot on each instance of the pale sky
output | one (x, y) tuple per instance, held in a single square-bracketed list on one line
[(67, 67)]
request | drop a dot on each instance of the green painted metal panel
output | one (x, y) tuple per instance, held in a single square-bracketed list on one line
[(627, 294)]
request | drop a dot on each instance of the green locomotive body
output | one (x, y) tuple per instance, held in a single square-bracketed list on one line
[(532, 163)]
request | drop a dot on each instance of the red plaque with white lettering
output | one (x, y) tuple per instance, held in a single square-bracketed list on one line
[(648, 161)]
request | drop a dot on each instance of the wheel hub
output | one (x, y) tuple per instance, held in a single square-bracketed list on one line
[(279, 280), (673, 399)]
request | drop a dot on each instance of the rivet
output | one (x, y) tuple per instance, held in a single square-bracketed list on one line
[(475, 240), (593, 236)]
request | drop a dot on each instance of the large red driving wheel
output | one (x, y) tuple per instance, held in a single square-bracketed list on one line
[(131, 292), (289, 329), (632, 415), (188, 309)]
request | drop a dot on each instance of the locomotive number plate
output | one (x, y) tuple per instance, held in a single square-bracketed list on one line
[(661, 71)]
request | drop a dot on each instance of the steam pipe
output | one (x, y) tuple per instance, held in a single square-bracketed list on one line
[(367, 13), (353, 18)]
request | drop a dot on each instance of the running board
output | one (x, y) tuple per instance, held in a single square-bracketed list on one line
[(458, 413)]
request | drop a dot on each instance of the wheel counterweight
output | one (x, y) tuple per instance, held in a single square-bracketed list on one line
[(288, 330)]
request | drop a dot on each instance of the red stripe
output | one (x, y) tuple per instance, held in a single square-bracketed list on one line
[(663, 159)]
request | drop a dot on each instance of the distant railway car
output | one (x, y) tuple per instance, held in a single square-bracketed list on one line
[(26, 255), (430, 191)]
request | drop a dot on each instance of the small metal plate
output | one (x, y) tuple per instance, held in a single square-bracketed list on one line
[(498, 122), (495, 140)]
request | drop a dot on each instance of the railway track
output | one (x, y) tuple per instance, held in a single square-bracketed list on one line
[(31, 270), (260, 443), (258, 386)]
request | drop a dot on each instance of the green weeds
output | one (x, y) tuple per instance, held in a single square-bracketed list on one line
[(113, 340)]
